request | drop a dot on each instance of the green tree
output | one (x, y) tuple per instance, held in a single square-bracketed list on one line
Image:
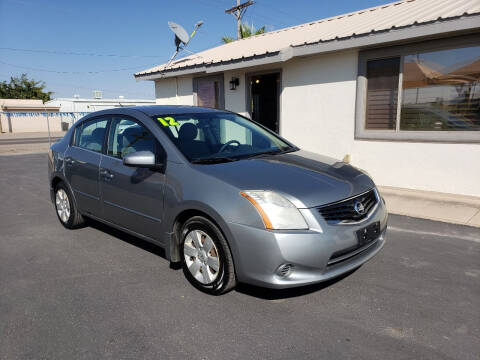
[(24, 88), (246, 30)]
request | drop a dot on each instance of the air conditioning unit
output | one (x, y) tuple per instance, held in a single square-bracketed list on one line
[(97, 94)]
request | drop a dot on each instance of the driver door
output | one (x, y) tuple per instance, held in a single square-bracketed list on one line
[(132, 197)]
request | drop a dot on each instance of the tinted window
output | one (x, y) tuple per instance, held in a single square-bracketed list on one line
[(128, 136), (90, 134)]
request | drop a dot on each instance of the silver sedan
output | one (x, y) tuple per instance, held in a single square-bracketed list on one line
[(226, 198)]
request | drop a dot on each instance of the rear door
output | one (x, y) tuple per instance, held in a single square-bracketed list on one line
[(82, 163), (132, 197)]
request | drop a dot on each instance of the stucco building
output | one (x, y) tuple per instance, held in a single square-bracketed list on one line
[(394, 89)]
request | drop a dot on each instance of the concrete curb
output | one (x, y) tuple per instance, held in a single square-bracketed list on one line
[(450, 208)]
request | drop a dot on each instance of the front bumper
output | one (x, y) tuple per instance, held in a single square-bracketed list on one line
[(259, 253)]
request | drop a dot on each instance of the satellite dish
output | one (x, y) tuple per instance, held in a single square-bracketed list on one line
[(181, 38), (181, 35)]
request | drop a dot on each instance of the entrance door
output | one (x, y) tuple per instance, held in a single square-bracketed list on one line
[(264, 99), (132, 197)]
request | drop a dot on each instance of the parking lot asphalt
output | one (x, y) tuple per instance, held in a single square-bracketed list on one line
[(98, 293)]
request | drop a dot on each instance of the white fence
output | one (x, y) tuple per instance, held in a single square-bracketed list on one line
[(15, 122)]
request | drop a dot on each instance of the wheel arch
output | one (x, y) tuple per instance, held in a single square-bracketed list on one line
[(182, 217), (57, 179)]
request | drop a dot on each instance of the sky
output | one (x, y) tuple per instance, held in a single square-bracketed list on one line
[(111, 40)]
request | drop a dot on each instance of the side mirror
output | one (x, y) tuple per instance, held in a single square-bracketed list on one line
[(144, 159)]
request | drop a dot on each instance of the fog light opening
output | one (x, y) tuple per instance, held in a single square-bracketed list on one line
[(284, 270)]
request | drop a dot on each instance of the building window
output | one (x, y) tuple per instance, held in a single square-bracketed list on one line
[(209, 92), (382, 93), (441, 90), (425, 92)]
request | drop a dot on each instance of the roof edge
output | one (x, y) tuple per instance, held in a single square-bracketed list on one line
[(417, 31)]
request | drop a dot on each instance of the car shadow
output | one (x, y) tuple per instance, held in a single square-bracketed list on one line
[(250, 290), (131, 239), (277, 294)]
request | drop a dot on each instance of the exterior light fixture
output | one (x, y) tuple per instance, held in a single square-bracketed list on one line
[(234, 83)]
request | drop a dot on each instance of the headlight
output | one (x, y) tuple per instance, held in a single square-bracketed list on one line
[(276, 211)]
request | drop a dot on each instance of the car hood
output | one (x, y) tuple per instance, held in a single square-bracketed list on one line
[(307, 179)]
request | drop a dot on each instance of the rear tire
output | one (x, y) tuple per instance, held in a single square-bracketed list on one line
[(206, 258), (66, 208)]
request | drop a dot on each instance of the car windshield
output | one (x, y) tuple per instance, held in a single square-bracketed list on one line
[(219, 137)]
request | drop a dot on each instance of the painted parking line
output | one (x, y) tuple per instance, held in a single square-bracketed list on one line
[(434, 234)]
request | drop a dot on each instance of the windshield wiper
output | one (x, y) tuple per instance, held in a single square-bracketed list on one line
[(214, 160), (273, 152)]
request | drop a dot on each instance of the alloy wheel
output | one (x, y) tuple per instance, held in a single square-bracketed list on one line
[(63, 205)]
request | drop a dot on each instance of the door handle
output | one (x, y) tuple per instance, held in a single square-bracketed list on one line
[(107, 175), (69, 161)]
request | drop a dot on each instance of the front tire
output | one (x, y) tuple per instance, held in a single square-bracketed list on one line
[(206, 258), (66, 209)]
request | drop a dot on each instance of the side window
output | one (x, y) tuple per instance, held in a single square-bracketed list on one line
[(128, 136), (90, 134)]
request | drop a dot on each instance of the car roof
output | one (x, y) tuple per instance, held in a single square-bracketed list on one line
[(172, 109)]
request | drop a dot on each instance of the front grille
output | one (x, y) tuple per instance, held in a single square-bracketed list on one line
[(345, 210)]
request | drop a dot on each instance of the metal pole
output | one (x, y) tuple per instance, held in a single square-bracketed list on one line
[(48, 126)]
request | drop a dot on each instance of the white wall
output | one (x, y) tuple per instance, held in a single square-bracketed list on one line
[(235, 100), (318, 103), (33, 122), (91, 105), (318, 114), (449, 168), (174, 91)]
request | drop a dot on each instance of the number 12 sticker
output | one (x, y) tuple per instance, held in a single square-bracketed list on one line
[(168, 121)]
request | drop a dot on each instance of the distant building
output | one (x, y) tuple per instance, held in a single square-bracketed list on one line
[(11, 110), (394, 88), (20, 115), (89, 105), (26, 105)]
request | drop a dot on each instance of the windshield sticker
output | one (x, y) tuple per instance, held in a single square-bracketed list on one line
[(168, 121)]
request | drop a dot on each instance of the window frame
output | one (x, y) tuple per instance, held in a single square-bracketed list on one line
[(160, 153), (79, 126), (221, 89), (401, 51)]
